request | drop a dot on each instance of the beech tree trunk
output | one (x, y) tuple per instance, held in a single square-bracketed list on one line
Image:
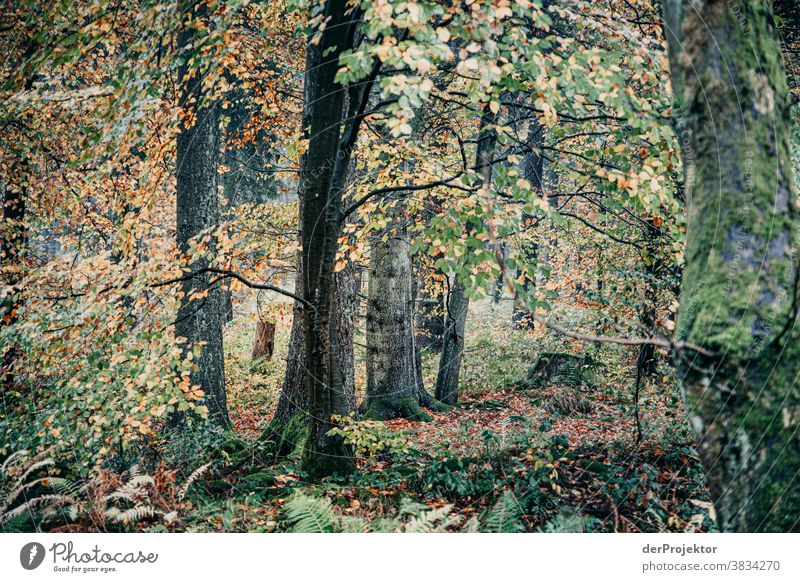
[(392, 381), (332, 139), (739, 292), (198, 211), (457, 300), (533, 171)]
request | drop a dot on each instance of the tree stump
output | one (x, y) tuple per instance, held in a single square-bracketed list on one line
[(558, 368), (264, 344)]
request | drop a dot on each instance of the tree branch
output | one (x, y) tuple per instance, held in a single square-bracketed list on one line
[(226, 273)]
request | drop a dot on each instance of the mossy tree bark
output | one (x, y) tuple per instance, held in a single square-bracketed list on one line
[(198, 211), (392, 382), (739, 292), (457, 302)]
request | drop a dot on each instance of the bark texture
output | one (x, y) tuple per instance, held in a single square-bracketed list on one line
[(264, 343), (198, 211), (332, 139), (739, 292), (392, 381), (294, 390)]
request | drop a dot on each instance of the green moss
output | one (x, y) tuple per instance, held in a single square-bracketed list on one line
[(738, 289), (331, 459), (388, 407), (281, 439)]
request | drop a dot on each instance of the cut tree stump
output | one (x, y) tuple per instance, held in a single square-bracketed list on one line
[(264, 344), (559, 368)]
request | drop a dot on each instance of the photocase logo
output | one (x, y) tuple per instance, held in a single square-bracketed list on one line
[(31, 555)]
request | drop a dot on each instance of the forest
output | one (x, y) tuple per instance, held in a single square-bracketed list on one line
[(399, 266)]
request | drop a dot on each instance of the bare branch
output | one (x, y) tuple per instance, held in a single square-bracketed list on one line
[(227, 273)]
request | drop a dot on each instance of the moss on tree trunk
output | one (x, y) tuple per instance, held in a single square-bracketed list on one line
[(738, 296)]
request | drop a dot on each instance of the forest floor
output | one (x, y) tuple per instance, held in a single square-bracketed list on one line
[(509, 457)]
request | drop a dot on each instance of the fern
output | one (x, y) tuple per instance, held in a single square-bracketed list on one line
[(308, 514), (196, 474), (563, 523), (424, 519), (54, 501), (134, 514), (505, 516)]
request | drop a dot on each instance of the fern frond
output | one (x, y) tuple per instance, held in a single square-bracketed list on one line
[(12, 495), (505, 516), (196, 474), (34, 503), (65, 486), (433, 521), (12, 458), (310, 514), (140, 481), (133, 514), (36, 466)]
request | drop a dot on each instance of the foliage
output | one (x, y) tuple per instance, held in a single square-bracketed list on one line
[(370, 438), (105, 501)]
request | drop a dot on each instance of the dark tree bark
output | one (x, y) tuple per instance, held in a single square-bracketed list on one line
[(332, 139), (457, 301), (533, 171), (342, 332), (739, 292), (429, 316), (198, 211)]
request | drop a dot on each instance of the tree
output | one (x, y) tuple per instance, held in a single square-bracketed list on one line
[(332, 139), (739, 291), (457, 301), (392, 386), (200, 316)]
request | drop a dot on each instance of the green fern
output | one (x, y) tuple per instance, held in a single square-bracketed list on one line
[(307, 514), (564, 523), (505, 516)]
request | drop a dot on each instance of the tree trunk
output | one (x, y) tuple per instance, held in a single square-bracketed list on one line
[(453, 345), (264, 343), (739, 292), (344, 330), (533, 171), (428, 313), (332, 138), (457, 300), (294, 391), (198, 211), (392, 382)]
